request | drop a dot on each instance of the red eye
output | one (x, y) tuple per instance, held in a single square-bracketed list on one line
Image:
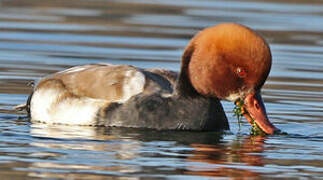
[(241, 72)]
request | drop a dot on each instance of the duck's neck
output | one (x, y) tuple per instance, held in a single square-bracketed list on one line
[(204, 113), (183, 85)]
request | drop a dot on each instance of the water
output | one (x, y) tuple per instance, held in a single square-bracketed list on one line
[(38, 37)]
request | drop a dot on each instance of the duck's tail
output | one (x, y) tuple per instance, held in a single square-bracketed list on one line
[(25, 106)]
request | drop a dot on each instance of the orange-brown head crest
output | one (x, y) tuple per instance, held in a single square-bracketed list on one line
[(225, 60)]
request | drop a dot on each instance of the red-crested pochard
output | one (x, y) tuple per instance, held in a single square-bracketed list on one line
[(227, 61)]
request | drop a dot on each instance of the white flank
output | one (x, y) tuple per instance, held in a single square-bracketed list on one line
[(72, 111), (41, 104), (133, 84), (47, 105)]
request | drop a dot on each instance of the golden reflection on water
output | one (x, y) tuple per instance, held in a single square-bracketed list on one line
[(220, 160), (225, 158)]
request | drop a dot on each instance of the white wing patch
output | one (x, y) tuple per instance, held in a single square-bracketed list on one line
[(133, 84)]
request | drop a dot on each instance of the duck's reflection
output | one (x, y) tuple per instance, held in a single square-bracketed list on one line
[(123, 151), (81, 150), (229, 160)]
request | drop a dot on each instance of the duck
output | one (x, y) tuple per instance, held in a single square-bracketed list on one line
[(227, 61)]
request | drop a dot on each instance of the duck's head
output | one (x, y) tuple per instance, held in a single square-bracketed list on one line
[(231, 62)]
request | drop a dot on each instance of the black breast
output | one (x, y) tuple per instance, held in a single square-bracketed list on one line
[(166, 113)]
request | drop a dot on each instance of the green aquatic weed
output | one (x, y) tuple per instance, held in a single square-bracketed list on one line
[(255, 130), (239, 112)]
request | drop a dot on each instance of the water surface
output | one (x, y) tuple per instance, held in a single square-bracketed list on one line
[(39, 37)]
